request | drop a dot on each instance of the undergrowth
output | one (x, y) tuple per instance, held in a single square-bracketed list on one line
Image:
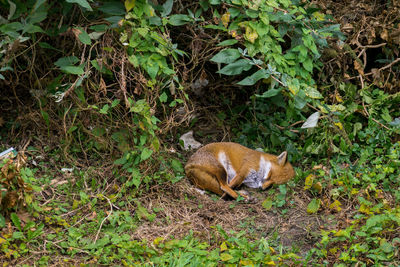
[(97, 95)]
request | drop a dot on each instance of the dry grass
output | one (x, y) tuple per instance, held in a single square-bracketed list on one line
[(184, 209)]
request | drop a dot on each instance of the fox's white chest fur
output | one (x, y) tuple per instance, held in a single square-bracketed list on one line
[(254, 178)]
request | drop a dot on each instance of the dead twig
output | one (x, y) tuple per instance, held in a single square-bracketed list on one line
[(109, 214)]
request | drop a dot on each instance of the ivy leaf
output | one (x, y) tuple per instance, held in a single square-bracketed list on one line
[(255, 77), (226, 56), (236, 67), (313, 206)]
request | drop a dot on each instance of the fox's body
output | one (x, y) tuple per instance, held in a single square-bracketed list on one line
[(220, 167)]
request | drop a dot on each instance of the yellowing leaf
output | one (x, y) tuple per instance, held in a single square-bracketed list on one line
[(318, 187), (129, 4), (226, 257), (223, 246), (364, 209), (272, 249), (225, 19), (267, 204), (319, 16), (336, 205), (246, 263), (313, 93), (250, 35), (158, 240), (338, 107), (271, 263), (233, 33), (359, 67), (354, 191), (339, 125), (308, 182), (339, 98)]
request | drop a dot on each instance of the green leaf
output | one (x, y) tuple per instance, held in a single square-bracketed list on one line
[(16, 221), (82, 3), (2, 221), (136, 177), (308, 64), (236, 67), (84, 37), (142, 31), (177, 165), (163, 97), (179, 19), (72, 128), (146, 153), (270, 93), (226, 56), (115, 8), (115, 103), (73, 70), (228, 42), (30, 28), (143, 213), (167, 8), (104, 109), (45, 116), (66, 61), (13, 7), (48, 46), (255, 77), (313, 206)]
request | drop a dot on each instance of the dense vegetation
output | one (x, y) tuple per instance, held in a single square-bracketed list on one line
[(95, 95)]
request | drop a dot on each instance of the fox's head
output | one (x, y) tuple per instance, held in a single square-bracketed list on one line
[(281, 172)]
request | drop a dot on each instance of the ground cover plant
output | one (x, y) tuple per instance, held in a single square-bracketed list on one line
[(95, 95)]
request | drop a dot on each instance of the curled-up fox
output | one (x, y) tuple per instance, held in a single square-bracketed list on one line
[(220, 167)]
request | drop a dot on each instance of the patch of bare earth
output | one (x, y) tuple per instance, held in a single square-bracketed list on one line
[(184, 209)]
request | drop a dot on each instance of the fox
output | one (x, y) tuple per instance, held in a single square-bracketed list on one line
[(220, 167)]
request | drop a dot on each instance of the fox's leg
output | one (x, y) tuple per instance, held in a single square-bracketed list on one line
[(203, 179), (238, 179), (212, 178)]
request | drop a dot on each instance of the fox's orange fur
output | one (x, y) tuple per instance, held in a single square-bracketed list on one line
[(220, 167)]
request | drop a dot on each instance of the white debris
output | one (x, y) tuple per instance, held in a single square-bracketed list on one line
[(189, 142)]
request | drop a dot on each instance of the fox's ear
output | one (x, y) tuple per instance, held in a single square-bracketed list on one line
[(282, 158)]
